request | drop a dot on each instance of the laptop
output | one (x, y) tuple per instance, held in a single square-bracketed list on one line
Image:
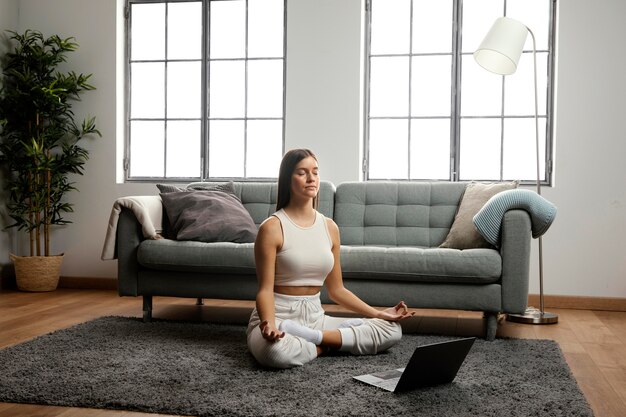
[(433, 364)]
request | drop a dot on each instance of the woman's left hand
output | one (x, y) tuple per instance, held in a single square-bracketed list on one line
[(399, 312)]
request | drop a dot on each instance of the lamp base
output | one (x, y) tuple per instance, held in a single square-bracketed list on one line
[(533, 316)]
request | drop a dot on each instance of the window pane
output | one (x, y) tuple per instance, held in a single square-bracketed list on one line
[(227, 89), (431, 79), (389, 86), (177, 78), (432, 26), (535, 14), (520, 154), (265, 88), (265, 145), (265, 28), (184, 30), (388, 148), (481, 90), (228, 29), (430, 149), (478, 17), (147, 31), (183, 149), (147, 90), (184, 90), (146, 148), (519, 93), (495, 112), (226, 148), (391, 27), (480, 149)]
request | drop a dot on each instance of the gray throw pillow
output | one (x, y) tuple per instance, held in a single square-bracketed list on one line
[(227, 187), (463, 233), (169, 188), (208, 216)]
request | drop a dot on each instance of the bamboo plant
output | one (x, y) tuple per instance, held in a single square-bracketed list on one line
[(39, 136)]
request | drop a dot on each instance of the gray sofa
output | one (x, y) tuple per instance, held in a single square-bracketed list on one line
[(390, 233)]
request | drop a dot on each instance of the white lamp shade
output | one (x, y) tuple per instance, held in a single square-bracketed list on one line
[(500, 51)]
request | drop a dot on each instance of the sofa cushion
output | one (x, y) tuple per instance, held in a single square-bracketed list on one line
[(396, 213), (407, 264), (208, 216), (475, 266), (463, 233), (218, 257)]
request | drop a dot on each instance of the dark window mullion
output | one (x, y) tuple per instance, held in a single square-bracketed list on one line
[(550, 93), (367, 79), (206, 67), (455, 122), (165, 138), (502, 115), (127, 143), (245, 104), (408, 152), (284, 61), (502, 129)]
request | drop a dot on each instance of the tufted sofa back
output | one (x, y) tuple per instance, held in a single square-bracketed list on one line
[(259, 198), (396, 213)]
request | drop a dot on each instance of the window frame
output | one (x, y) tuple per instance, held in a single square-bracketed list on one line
[(205, 119), (456, 94)]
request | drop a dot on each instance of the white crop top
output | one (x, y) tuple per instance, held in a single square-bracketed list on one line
[(306, 256)]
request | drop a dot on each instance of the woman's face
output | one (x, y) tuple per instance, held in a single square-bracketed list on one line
[(305, 180)]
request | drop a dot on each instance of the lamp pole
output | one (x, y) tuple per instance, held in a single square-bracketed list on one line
[(532, 316), (499, 53)]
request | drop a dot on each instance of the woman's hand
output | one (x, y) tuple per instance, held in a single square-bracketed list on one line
[(399, 312), (270, 332)]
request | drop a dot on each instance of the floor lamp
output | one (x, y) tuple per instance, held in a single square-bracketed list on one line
[(499, 53)]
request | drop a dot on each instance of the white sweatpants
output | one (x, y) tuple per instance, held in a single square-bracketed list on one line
[(371, 337)]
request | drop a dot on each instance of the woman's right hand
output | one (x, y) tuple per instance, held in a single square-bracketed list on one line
[(270, 332), (399, 312)]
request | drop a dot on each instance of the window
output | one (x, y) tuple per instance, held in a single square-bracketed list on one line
[(205, 89), (433, 114)]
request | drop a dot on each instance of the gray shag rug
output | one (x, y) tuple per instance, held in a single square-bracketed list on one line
[(205, 370)]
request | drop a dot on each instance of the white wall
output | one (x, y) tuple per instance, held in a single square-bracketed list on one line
[(584, 249), (323, 84), (8, 21)]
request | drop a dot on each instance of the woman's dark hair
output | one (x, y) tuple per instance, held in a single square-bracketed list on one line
[(287, 166)]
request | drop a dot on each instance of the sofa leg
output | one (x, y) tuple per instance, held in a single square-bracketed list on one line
[(491, 325), (199, 301), (147, 308)]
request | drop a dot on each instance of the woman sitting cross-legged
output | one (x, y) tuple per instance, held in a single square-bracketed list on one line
[(296, 253)]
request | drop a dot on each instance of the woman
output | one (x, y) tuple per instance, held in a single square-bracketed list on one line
[(296, 252)]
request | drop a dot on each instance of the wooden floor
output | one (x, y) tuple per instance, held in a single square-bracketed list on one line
[(594, 342)]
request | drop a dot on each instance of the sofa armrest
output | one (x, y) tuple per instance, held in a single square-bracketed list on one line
[(129, 236), (515, 252)]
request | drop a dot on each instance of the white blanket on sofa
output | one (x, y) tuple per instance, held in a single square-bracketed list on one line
[(149, 213)]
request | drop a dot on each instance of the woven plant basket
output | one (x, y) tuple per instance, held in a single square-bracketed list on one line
[(37, 273)]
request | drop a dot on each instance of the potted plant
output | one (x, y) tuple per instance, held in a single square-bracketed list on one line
[(39, 146)]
